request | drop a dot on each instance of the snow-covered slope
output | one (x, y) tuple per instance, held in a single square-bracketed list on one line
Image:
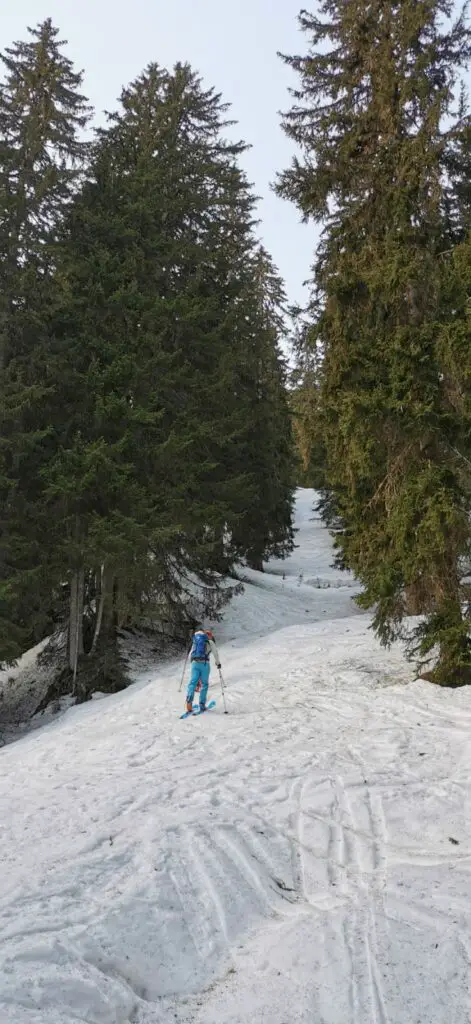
[(306, 858)]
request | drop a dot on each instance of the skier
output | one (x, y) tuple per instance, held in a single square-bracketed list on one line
[(202, 646)]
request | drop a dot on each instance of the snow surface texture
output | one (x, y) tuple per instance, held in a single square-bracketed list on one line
[(306, 858), (22, 687)]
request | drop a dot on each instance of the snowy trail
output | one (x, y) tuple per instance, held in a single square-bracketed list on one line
[(306, 858)]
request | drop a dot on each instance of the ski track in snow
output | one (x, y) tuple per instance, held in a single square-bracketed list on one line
[(303, 860)]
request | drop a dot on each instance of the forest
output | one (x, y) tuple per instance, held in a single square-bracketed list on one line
[(160, 399), (146, 439)]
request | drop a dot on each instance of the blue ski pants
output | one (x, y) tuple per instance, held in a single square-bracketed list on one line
[(199, 670)]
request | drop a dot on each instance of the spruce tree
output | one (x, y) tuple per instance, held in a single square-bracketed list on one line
[(142, 483), (42, 152), (305, 405), (265, 449), (376, 117)]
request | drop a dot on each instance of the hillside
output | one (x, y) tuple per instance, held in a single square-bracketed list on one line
[(305, 858)]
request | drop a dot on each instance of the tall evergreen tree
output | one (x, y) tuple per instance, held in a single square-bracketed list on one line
[(42, 152), (305, 403), (376, 117), (265, 448), (144, 350)]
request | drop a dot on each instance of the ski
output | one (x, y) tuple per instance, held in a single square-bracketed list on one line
[(212, 704), (196, 711)]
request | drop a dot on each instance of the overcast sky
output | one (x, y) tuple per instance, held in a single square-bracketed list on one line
[(233, 46)]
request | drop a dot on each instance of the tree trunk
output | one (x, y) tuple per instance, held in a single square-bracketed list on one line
[(103, 670), (76, 621), (417, 599), (453, 667), (255, 562), (109, 604), (104, 574)]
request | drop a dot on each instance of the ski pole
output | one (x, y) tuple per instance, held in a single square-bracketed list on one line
[(222, 691), (183, 673)]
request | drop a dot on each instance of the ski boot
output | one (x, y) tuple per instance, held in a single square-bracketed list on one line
[(189, 707)]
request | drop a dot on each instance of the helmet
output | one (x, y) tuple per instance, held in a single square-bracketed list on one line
[(209, 634)]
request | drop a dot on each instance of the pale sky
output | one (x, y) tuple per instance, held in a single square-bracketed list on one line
[(232, 44)]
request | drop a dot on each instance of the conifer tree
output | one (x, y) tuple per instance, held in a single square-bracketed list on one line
[(376, 117), (143, 482), (42, 152), (265, 448), (306, 407)]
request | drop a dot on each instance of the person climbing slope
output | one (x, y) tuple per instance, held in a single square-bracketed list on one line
[(202, 647)]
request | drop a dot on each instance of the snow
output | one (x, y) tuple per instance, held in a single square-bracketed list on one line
[(22, 687), (306, 858)]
